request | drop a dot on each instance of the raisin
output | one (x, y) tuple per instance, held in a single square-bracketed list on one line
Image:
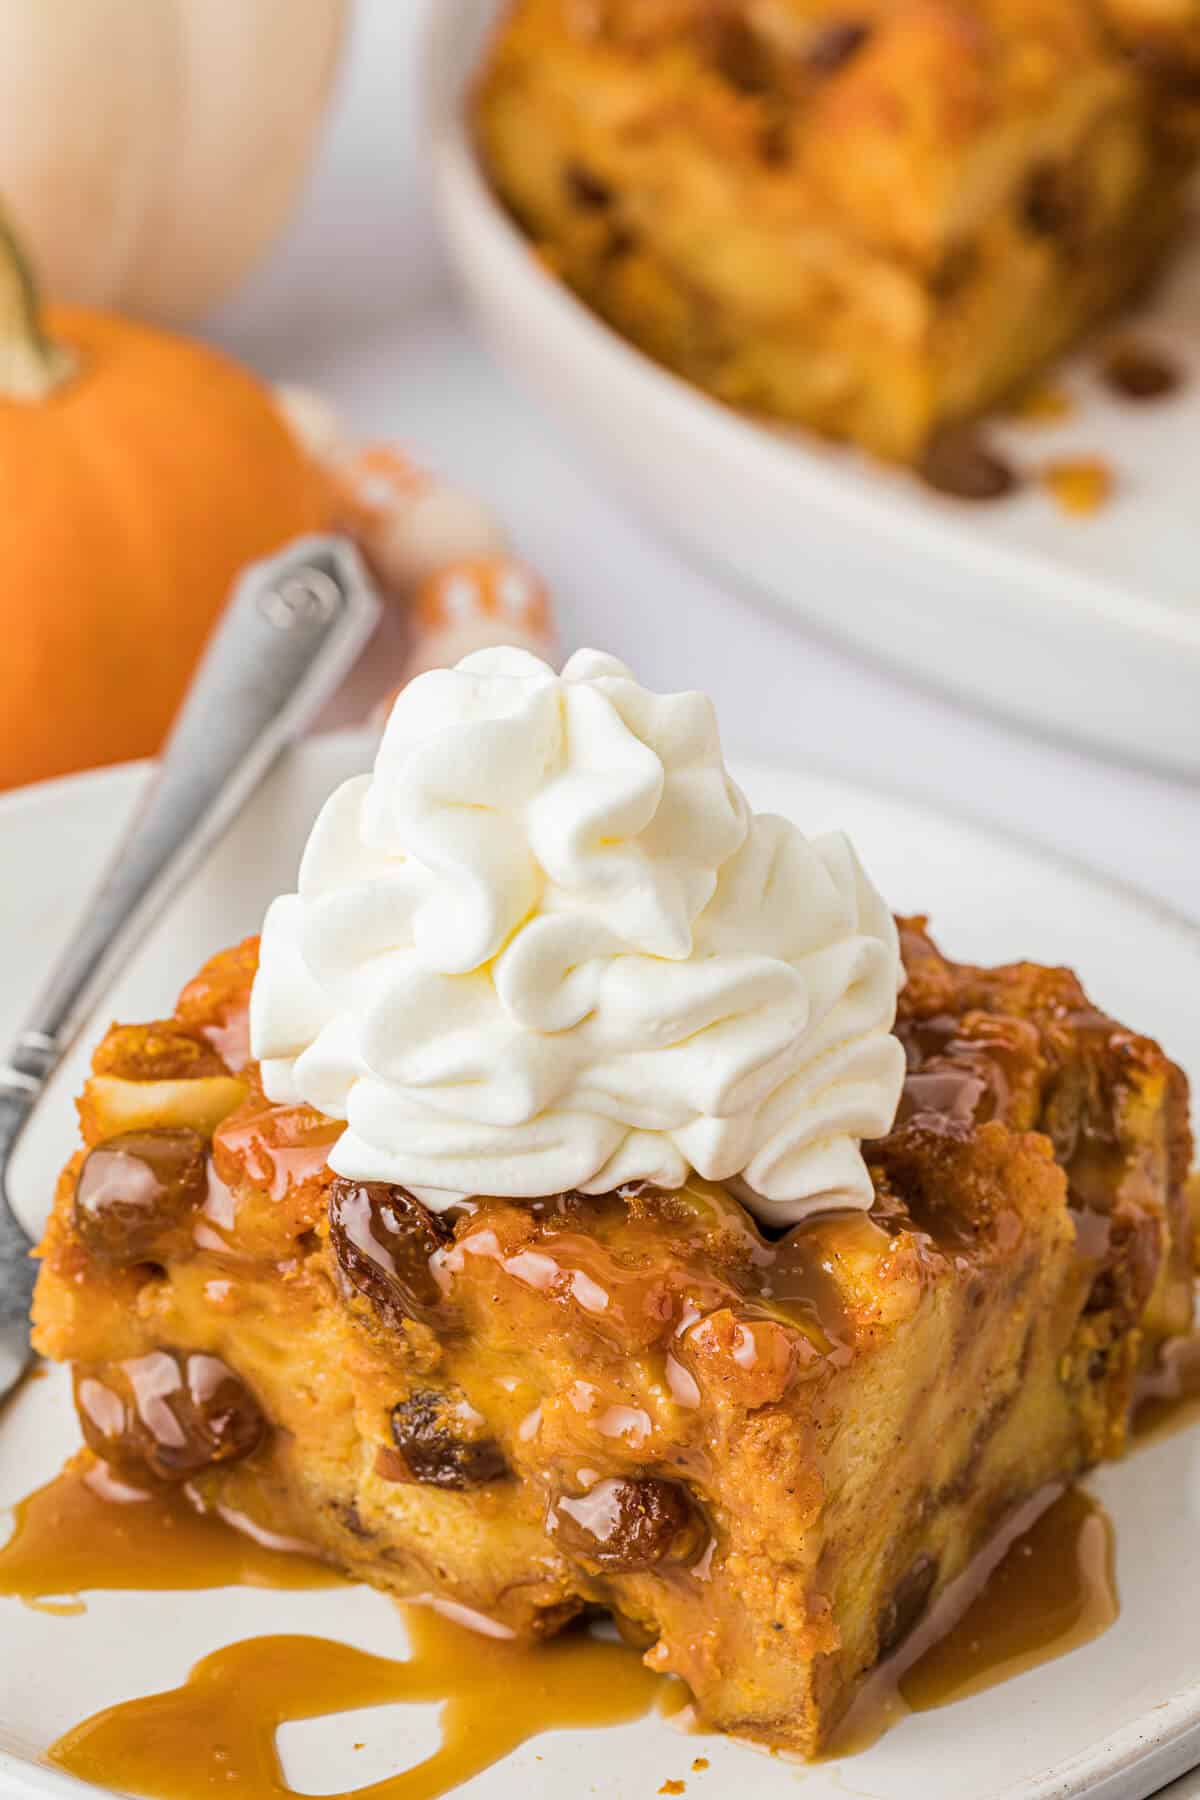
[(351, 1520), (621, 242), (909, 1600), (775, 143), (135, 1191), (1053, 204), (957, 269), (1139, 374), (963, 1071), (175, 1413), (383, 1240), (740, 55), (1161, 65), (959, 1098), (621, 1525), (957, 461), (434, 1448), (586, 188)]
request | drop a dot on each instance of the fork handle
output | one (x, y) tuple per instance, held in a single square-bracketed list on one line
[(292, 630)]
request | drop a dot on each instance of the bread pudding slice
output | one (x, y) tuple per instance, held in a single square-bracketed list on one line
[(875, 220), (767, 1456)]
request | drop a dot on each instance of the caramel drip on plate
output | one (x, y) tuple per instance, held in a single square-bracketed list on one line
[(86, 1529), (1055, 1590), (216, 1733), (1052, 1590)]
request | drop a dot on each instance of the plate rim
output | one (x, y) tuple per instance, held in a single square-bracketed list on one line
[(1163, 1743)]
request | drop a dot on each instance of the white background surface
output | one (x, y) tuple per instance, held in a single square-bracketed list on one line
[(355, 301)]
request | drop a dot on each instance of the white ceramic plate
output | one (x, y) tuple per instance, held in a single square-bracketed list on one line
[(1113, 1720), (1086, 626)]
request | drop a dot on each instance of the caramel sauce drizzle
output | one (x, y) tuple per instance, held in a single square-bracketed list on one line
[(1052, 1591), (86, 1530), (89, 1530), (216, 1733), (279, 1146)]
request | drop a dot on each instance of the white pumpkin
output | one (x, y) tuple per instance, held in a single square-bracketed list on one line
[(149, 148)]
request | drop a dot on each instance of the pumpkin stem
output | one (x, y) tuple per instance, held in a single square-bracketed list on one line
[(31, 365)]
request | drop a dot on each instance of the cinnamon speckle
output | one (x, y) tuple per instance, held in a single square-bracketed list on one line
[(673, 1787), (587, 189)]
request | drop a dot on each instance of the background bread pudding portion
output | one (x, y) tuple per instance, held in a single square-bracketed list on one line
[(874, 217), (766, 1455)]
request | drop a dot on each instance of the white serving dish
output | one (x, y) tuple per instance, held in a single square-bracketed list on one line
[(1112, 1721), (1088, 627)]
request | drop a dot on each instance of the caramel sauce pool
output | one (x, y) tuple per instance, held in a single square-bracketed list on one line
[(216, 1733), (1053, 1590), (87, 1530)]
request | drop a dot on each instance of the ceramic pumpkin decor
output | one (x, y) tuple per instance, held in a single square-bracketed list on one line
[(139, 473), (180, 132)]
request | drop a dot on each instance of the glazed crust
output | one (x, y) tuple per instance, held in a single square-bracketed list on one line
[(874, 220), (755, 1452)]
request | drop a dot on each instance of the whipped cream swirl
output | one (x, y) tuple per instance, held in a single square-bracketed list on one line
[(547, 945)]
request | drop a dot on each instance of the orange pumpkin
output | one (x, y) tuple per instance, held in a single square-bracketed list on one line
[(139, 472)]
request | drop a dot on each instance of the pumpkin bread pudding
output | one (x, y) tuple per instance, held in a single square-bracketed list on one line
[(829, 1286), (875, 219)]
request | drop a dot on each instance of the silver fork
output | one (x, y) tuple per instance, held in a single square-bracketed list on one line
[(293, 627)]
